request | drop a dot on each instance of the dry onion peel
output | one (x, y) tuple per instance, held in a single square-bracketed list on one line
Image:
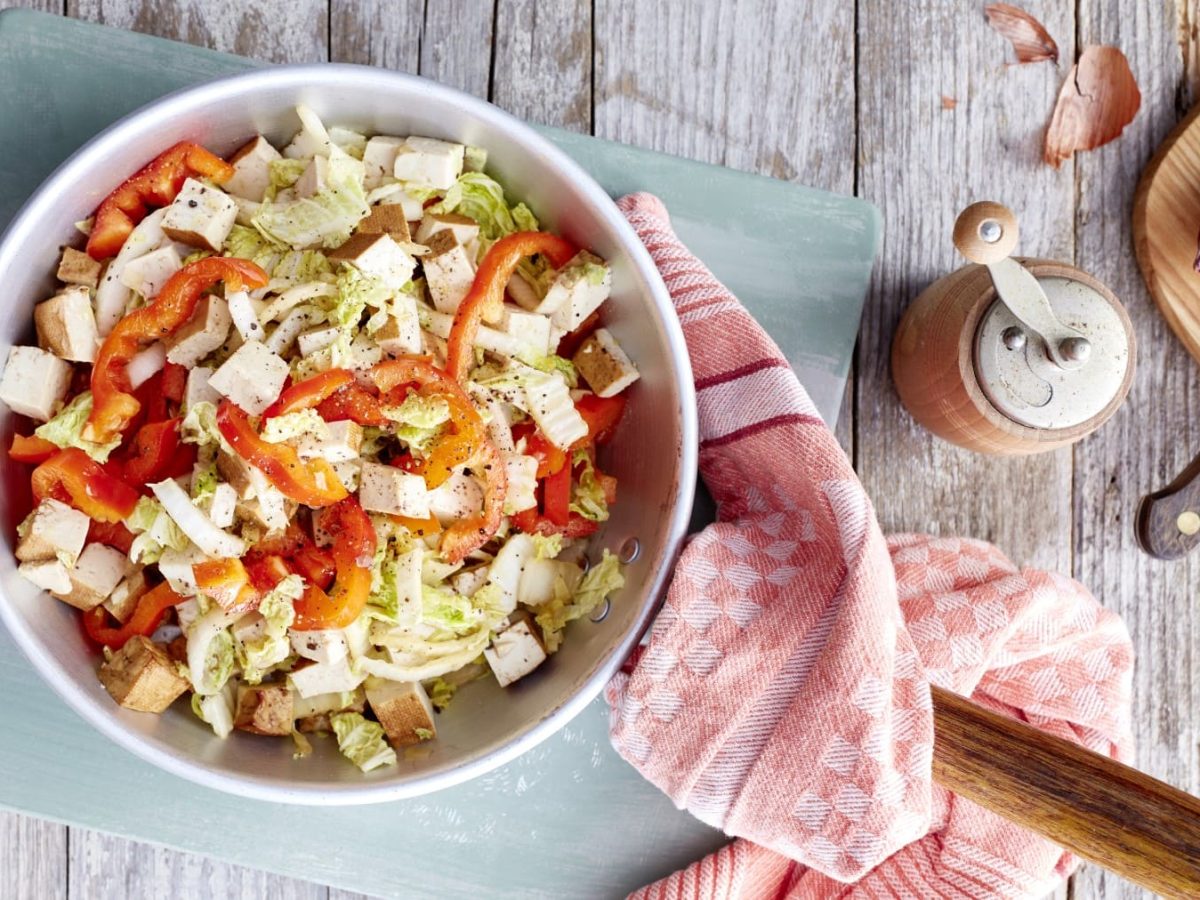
[(1029, 38), (1098, 99)]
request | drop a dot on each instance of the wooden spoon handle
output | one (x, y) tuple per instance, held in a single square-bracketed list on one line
[(1117, 817), (1168, 521)]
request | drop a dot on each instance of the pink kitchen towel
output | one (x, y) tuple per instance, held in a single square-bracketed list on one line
[(783, 695)]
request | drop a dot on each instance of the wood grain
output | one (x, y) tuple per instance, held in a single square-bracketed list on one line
[(1087, 803), (1153, 437), (543, 62)]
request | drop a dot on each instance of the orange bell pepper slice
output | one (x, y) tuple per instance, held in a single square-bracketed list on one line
[(353, 556), (602, 415), (312, 482), (151, 607), (73, 477), (32, 449), (486, 295), (156, 184), (467, 535), (310, 392), (113, 403)]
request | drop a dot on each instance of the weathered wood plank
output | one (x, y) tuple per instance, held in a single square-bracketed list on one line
[(543, 62), (33, 858), (1155, 434), (104, 867), (48, 6), (272, 30), (921, 164)]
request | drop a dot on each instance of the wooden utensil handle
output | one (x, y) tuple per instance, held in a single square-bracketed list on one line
[(1168, 521), (1106, 812)]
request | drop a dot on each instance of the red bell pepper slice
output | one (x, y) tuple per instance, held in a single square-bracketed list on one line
[(115, 534), (152, 452), (316, 565), (151, 607), (556, 497), (174, 382), (32, 449), (602, 415), (156, 184), (71, 476), (486, 296), (353, 402), (530, 522), (312, 482), (285, 543), (550, 458), (113, 404), (310, 392), (353, 556)]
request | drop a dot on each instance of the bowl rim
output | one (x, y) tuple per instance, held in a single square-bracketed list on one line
[(298, 77)]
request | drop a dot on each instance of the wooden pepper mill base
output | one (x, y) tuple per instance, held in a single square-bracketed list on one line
[(937, 353)]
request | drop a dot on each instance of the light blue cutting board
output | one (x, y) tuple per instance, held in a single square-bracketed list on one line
[(569, 818)]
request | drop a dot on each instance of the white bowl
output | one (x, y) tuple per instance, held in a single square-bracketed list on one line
[(654, 455)]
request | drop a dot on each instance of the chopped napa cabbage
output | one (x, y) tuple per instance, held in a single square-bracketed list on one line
[(361, 741), (448, 610), (546, 546), (420, 419), (246, 243), (587, 494), (297, 267), (355, 292), (196, 256), (474, 158), (66, 429), (199, 426), (423, 733), (293, 425), (304, 746), (327, 217), (210, 651), (351, 142), (396, 581), (217, 709), (272, 646), (522, 484), (283, 173), (373, 441), (552, 363), (601, 580), (481, 198), (154, 530), (441, 692), (594, 272)]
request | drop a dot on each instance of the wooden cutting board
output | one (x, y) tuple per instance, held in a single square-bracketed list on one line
[(1166, 225)]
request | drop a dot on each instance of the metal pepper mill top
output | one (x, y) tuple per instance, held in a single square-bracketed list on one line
[(1012, 356)]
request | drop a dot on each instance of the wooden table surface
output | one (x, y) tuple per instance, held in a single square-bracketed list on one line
[(847, 97)]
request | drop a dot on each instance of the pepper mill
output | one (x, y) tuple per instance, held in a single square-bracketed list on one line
[(1011, 356)]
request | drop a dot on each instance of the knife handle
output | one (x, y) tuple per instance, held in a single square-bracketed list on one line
[(1168, 521)]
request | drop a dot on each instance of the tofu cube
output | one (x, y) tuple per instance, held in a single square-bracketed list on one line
[(66, 325), (252, 377), (464, 228), (221, 507), (141, 676), (468, 581), (252, 169), (176, 567), (125, 596), (244, 311), (317, 339), (602, 363), (400, 335), (312, 713), (95, 576), (324, 678), (428, 161), (386, 489), (412, 205), (76, 267), (516, 651), (324, 647), (147, 274), (449, 272), (264, 709), (530, 329), (313, 179), (342, 442), (457, 497), (268, 510), (349, 473), (53, 531), (48, 574), (203, 333), (574, 295), (390, 220), (378, 256), (379, 159), (34, 382), (237, 473), (403, 709), (197, 389), (145, 364), (538, 577), (200, 216)]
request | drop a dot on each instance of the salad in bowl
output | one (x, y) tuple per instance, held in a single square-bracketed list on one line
[(312, 436)]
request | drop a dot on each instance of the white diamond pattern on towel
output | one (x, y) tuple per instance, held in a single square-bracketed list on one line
[(812, 812), (664, 704), (743, 611), (742, 577), (701, 656), (700, 613), (659, 661), (852, 803), (841, 756)]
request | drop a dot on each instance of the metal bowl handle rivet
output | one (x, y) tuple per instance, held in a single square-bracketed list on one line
[(630, 550), (600, 613)]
